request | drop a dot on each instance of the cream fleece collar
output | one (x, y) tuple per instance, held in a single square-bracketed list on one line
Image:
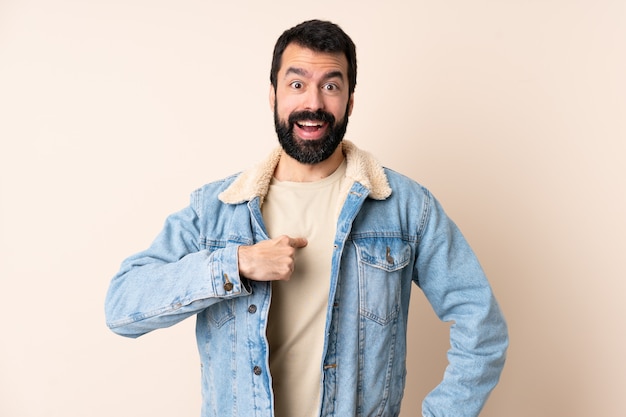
[(361, 167)]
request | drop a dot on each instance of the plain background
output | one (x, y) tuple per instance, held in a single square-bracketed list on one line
[(513, 113)]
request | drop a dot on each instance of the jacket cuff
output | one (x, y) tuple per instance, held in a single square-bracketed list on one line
[(224, 270)]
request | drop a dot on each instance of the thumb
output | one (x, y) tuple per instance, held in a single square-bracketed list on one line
[(297, 242)]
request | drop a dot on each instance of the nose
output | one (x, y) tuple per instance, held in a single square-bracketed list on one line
[(314, 100)]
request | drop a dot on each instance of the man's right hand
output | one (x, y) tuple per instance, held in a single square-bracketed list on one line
[(270, 260)]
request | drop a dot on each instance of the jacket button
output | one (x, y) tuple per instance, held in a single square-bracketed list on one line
[(257, 370), (252, 309), (228, 285)]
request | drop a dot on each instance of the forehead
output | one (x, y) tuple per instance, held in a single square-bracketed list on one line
[(296, 56)]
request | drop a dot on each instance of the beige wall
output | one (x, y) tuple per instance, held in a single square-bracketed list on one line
[(513, 113)]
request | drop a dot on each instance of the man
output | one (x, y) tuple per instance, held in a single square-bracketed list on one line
[(300, 269)]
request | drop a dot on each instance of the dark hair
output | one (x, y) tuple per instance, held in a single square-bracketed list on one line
[(319, 36)]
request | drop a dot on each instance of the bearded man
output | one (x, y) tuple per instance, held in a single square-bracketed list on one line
[(300, 269)]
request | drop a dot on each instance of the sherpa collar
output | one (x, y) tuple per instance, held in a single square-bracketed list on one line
[(361, 167)]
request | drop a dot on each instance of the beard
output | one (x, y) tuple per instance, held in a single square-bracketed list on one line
[(310, 151)]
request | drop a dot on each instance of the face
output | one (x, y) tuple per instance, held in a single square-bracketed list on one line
[(311, 103)]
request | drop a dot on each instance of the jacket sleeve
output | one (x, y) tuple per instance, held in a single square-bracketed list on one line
[(455, 285), (171, 280)]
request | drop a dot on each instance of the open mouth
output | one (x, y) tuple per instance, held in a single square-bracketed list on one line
[(310, 124)]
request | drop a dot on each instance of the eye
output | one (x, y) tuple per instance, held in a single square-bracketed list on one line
[(296, 84), (330, 87)]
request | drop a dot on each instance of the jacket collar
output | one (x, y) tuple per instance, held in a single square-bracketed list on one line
[(361, 167)]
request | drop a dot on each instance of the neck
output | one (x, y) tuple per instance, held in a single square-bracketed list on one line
[(289, 169)]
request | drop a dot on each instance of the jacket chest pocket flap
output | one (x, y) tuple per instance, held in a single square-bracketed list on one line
[(381, 266)]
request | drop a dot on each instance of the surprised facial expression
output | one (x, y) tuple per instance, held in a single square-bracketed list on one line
[(311, 103)]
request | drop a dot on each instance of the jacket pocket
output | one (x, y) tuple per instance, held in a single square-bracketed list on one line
[(381, 264), (221, 312)]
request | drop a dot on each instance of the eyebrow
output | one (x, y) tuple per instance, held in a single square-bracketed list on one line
[(304, 73)]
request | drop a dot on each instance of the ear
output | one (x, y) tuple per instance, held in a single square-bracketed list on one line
[(350, 104), (272, 97)]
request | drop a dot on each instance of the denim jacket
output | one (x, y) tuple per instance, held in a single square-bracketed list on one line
[(391, 233)]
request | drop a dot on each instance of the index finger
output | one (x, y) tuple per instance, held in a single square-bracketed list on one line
[(297, 242)]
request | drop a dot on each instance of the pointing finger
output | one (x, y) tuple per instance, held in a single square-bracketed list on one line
[(297, 242)]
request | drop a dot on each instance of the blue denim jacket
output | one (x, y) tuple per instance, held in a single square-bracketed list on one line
[(391, 233)]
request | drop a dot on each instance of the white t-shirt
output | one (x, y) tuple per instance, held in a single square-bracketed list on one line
[(297, 315)]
